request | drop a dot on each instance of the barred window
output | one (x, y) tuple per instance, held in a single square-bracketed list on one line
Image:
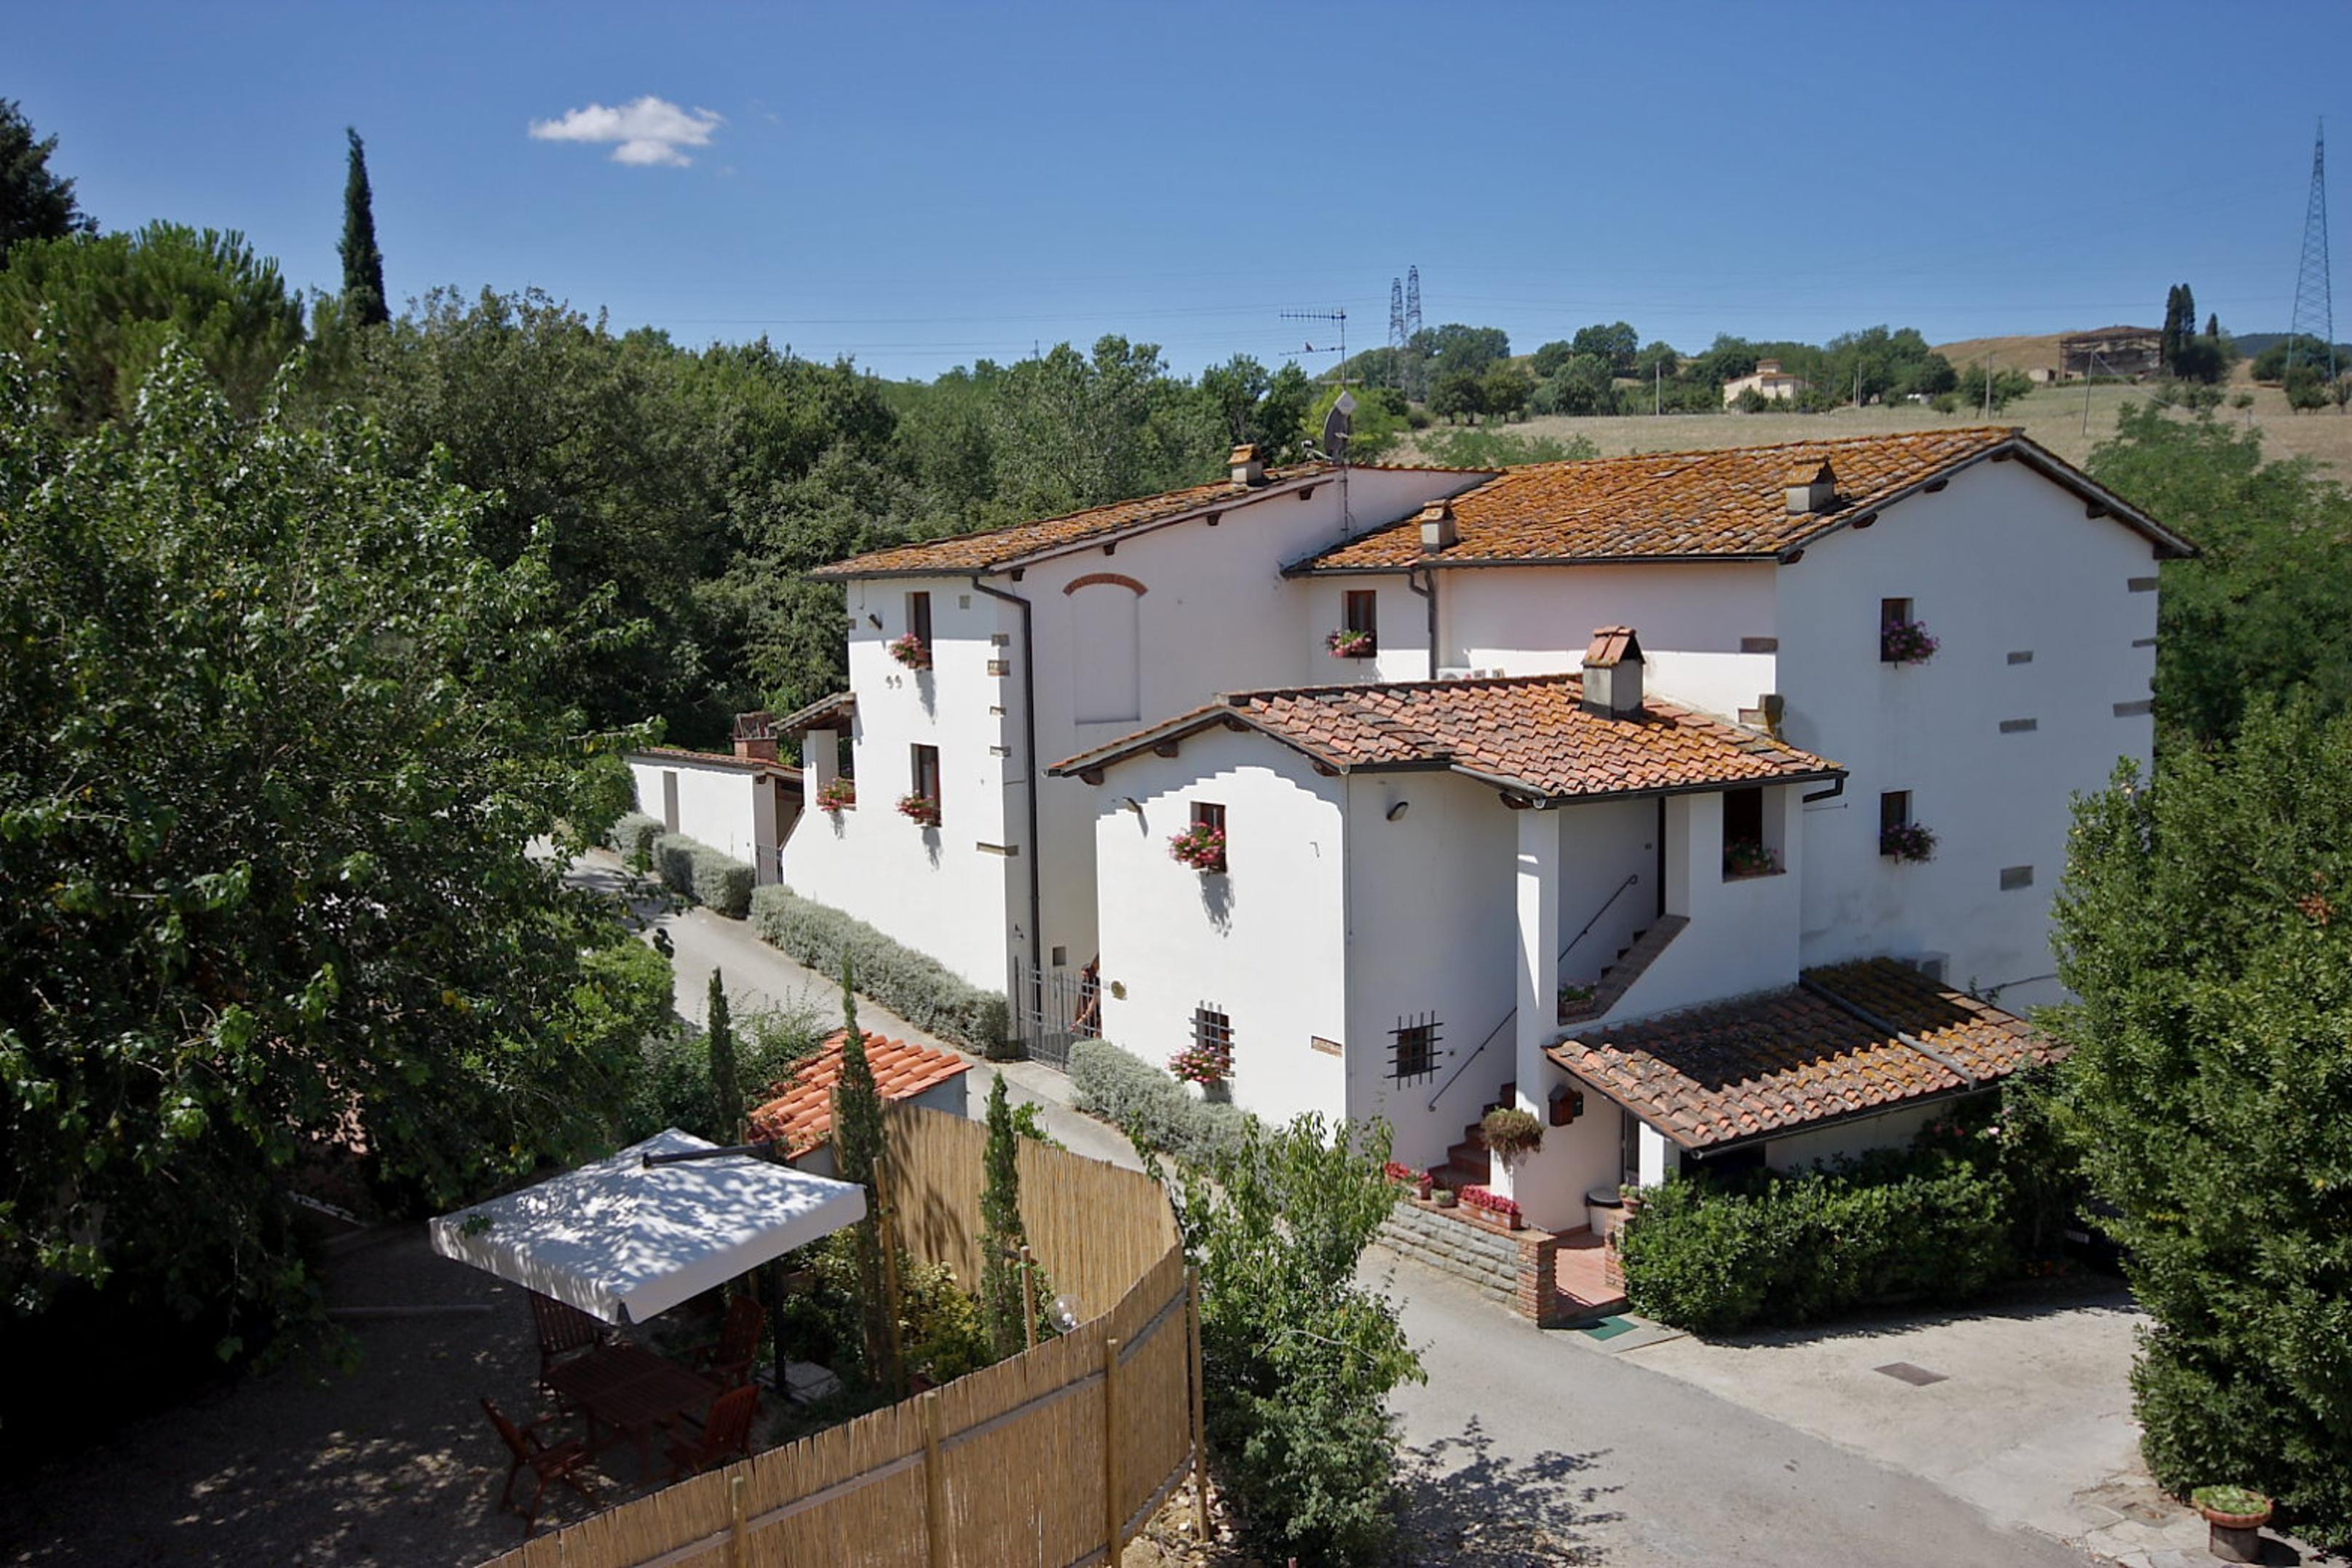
[(1213, 1031), (1415, 1048)]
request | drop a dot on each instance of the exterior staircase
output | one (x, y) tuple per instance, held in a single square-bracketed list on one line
[(1630, 962), (1467, 1163)]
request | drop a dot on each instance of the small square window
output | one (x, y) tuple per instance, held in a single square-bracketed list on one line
[(2015, 877), (1212, 1042), (1894, 810), (1363, 611), (918, 617), (1207, 814), (1416, 1049), (924, 772)]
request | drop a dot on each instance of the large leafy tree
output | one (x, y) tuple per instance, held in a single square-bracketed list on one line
[(94, 314), (2206, 925), (34, 203), (2267, 606), (275, 749), (363, 296)]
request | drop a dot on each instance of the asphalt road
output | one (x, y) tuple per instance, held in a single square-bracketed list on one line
[(1530, 1447)]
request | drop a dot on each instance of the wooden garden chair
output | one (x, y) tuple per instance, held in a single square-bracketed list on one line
[(726, 1433), (730, 1359), (563, 1332), (559, 1464)]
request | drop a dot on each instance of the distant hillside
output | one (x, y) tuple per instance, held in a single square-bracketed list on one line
[(2005, 353)]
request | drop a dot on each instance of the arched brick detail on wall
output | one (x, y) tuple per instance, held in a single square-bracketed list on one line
[(1091, 578)]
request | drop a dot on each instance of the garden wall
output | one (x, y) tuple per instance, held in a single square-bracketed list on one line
[(1516, 1268)]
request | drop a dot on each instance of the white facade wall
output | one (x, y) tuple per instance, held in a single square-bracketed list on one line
[(2002, 563), (958, 891), (1847, 1138), (723, 802), (1742, 936), (1692, 620), (1264, 943)]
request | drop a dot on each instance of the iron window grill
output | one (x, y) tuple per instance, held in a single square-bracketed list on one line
[(1415, 1049)]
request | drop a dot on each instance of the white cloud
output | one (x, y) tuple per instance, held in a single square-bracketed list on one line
[(650, 132)]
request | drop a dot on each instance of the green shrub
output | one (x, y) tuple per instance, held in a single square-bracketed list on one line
[(632, 837), (1778, 1247), (1150, 1106), (912, 984), (673, 1086), (694, 870)]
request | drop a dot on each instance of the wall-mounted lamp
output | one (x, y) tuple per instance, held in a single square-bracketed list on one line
[(874, 620), (1128, 802), (1398, 810)]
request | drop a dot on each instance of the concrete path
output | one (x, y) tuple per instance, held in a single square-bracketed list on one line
[(758, 975), (1530, 1447)]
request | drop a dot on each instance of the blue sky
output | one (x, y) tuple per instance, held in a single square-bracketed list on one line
[(924, 185)]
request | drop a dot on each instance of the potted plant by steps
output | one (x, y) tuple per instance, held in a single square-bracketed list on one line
[(1630, 1194), (1487, 1201), (2237, 1515), (1511, 1133), (1445, 1197), (1405, 1175)]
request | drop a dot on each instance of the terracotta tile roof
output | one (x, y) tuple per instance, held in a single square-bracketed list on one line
[(1833, 1046), (785, 770), (1530, 731), (1728, 504), (1001, 546), (825, 713), (801, 1111)]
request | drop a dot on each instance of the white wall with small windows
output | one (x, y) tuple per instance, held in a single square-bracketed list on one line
[(2045, 623), (1263, 943)]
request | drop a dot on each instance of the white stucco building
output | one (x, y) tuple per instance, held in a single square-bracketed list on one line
[(743, 803), (1494, 857)]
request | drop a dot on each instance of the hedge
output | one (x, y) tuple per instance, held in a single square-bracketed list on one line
[(694, 870), (631, 835), (912, 984), (1149, 1105), (1782, 1248)]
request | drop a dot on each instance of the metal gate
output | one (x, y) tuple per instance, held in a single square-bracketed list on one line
[(1052, 1007)]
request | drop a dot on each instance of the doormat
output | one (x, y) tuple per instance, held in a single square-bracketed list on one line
[(1917, 1376), (1610, 1328)]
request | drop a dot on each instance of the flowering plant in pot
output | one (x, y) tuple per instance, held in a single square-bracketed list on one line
[(1405, 1175), (1746, 858), (911, 651), (1204, 1064), (1494, 1202), (1200, 846), (1905, 642), (1511, 1133), (919, 808), (2234, 1508), (1347, 643), (837, 796), (1906, 841)]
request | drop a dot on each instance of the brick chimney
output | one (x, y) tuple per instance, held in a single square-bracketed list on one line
[(755, 737), (1249, 469), (1613, 674), (1810, 487), (1438, 528)]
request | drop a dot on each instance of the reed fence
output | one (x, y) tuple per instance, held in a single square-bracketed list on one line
[(1053, 1458)]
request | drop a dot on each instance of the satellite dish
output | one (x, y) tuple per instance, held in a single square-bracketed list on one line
[(1338, 427)]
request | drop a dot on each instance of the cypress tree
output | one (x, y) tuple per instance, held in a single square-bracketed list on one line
[(726, 1083), (857, 1148), (1001, 1308), (362, 262)]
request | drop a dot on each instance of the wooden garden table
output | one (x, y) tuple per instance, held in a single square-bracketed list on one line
[(632, 1390)]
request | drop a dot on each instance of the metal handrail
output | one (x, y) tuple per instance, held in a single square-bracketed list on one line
[(1631, 877)]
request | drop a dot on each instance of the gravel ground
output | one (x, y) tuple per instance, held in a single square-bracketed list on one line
[(391, 1462)]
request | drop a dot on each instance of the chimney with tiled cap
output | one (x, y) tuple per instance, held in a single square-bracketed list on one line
[(1249, 469), (1438, 529), (1613, 674), (755, 737), (1810, 487)]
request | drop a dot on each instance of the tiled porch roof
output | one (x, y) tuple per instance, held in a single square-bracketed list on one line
[(1852, 1039), (1527, 733), (802, 1113), (825, 713)]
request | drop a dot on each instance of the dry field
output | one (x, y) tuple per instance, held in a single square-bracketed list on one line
[(2055, 417)]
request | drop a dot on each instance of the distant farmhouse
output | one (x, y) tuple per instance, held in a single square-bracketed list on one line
[(1770, 381), (2133, 352)]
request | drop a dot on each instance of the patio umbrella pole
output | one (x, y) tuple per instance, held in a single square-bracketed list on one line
[(767, 1146)]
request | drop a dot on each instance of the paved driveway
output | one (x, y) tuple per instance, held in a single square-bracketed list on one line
[(1533, 1447)]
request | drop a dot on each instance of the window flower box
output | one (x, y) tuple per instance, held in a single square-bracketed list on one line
[(1204, 1064), (1506, 1211), (1200, 846), (1348, 643), (1906, 841), (837, 796), (1746, 858), (911, 651), (1905, 642), (919, 808)]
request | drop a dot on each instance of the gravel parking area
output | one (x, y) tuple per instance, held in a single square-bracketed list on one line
[(391, 1462)]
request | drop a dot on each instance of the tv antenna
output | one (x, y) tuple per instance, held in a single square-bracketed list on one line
[(1340, 423)]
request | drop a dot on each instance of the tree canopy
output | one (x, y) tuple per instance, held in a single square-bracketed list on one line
[(277, 744), (36, 203)]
